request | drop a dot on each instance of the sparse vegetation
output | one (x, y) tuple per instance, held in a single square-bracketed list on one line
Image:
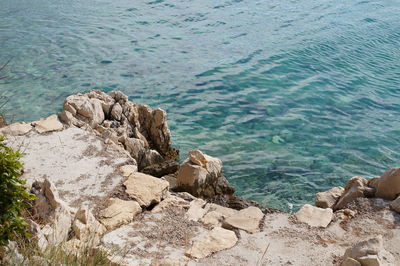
[(14, 195)]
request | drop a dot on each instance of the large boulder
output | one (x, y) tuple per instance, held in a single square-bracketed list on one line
[(141, 130), (328, 199), (218, 239), (201, 176), (388, 186), (146, 189), (314, 216), (356, 187)]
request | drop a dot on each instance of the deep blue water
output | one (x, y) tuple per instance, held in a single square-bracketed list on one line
[(293, 96)]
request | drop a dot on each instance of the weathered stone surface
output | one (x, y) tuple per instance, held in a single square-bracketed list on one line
[(328, 199), (119, 212), (213, 219), (196, 210), (116, 112), (86, 228), (369, 247), (37, 234), (16, 129), (395, 205), (350, 262), (218, 239), (355, 188), (50, 209), (48, 124), (314, 216), (201, 175), (248, 219), (226, 212), (171, 202), (171, 180), (150, 157), (146, 189), (389, 184), (369, 252), (127, 170)]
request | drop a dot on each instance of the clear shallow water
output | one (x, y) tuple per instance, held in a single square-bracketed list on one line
[(294, 96)]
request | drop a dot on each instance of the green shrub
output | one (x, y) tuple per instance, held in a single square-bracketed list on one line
[(13, 194)]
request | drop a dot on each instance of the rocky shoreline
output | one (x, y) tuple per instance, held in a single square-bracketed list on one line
[(106, 175)]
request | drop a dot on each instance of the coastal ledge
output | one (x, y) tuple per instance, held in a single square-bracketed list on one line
[(105, 173)]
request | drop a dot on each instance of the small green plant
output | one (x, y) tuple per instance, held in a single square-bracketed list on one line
[(14, 196)]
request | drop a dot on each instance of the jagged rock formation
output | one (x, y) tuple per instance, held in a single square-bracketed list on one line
[(142, 131)]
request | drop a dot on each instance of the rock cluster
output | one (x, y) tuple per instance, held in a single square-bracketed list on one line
[(366, 253), (142, 131), (42, 126), (57, 220), (386, 187)]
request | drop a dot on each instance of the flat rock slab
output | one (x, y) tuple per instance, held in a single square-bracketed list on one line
[(247, 219), (80, 165), (314, 216), (216, 240)]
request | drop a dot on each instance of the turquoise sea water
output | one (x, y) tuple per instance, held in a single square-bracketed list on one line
[(294, 96)]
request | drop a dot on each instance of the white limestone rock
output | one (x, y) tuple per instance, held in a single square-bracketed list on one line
[(119, 212), (16, 129), (389, 184), (48, 124), (218, 239), (314, 216), (328, 199), (201, 176), (369, 252), (356, 187), (196, 210), (171, 202), (248, 219), (127, 170), (146, 189)]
